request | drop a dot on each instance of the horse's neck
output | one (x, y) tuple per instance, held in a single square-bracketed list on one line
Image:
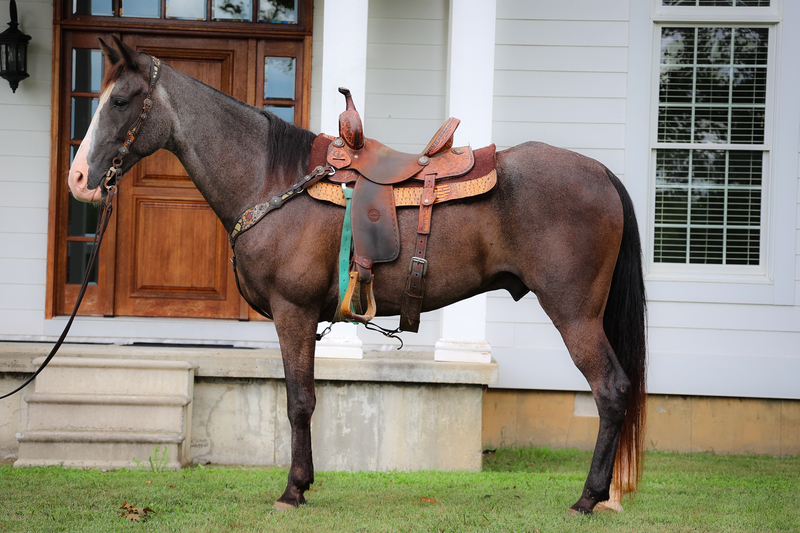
[(222, 145)]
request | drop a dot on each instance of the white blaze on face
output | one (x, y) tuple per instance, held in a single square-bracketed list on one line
[(79, 171)]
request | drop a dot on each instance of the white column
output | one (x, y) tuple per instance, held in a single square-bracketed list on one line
[(344, 64), (470, 92)]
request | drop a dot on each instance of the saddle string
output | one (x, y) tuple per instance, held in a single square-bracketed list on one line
[(112, 174)]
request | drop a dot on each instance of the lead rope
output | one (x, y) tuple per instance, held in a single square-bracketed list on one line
[(102, 224), (112, 174)]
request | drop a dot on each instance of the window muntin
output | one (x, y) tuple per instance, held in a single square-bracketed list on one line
[(710, 144)]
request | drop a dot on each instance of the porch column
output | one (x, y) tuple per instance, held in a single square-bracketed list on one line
[(344, 64), (470, 92)]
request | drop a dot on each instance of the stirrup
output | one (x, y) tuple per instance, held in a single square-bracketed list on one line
[(348, 299)]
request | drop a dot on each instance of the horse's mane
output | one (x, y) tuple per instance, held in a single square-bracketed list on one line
[(288, 146)]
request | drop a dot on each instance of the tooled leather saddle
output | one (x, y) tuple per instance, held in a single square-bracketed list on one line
[(383, 179)]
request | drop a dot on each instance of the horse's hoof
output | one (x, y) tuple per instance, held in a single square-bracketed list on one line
[(281, 506), (608, 506)]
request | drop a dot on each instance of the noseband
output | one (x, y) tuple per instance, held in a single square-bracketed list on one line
[(114, 171)]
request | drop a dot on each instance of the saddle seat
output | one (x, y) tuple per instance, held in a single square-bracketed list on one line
[(374, 170)]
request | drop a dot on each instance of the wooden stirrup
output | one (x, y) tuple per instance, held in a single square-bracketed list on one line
[(346, 308)]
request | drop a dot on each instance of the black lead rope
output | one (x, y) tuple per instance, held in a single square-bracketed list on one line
[(111, 177), (102, 223)]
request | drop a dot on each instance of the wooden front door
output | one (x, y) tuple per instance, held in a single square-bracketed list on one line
[(172, 254)]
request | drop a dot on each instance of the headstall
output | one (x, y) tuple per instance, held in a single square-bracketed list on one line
[(113, 171)]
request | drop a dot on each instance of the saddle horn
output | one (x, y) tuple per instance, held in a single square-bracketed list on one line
[(351, 130)]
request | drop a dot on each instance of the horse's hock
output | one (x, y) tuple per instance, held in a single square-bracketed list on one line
[(105, 406)]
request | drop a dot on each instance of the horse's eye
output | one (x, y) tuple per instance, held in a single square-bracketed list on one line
[(119, 103)]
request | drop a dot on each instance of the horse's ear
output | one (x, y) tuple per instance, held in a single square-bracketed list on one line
[(127, 53), (112, 55)]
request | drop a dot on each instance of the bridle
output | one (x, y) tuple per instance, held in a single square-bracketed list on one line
[(110, 183), (115, 170)]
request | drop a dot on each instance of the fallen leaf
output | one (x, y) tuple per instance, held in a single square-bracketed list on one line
[(172, 486), (429, 500), (134, 514), (148, 482)]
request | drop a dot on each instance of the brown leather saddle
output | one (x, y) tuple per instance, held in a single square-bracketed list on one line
[(383, 178)]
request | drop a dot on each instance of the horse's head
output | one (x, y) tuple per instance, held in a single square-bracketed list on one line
[(125, 87)]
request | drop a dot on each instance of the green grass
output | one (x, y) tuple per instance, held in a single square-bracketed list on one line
[(518, 490)]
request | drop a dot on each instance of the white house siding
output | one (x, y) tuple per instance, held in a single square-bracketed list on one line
[(560, 78), (25, 177)]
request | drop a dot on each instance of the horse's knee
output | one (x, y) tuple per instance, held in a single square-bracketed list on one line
[(300, 407)]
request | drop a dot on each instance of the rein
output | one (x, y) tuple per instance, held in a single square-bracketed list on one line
[(110, 179)]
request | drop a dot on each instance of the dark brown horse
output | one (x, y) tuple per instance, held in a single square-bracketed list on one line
[(557, 223)]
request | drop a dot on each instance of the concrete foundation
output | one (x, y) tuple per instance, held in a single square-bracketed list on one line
[(387, 411)]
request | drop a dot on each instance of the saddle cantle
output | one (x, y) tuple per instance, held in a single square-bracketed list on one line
[(382, 179)]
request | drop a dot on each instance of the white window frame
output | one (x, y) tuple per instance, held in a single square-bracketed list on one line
[(772, 281)]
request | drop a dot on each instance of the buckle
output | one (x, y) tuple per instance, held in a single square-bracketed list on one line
[(421, 261)]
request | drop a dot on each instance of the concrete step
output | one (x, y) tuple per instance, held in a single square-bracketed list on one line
[(101, 449), (108, 412), (80, 375), (92, 412)]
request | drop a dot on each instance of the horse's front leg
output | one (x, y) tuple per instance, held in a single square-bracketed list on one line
[(296, 329)]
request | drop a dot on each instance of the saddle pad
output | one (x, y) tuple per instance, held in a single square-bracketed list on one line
[(410, 196)]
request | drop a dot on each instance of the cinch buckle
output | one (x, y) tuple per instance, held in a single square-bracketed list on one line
[(421, 261)]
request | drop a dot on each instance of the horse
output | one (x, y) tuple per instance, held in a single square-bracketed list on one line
[(557, 223)]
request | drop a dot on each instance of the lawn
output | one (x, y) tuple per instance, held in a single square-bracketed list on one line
[(522, 490)]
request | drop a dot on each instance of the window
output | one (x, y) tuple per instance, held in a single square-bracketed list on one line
[(710, 144), (711, 138)]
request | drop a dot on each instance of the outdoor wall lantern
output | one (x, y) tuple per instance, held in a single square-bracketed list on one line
[(14, 52)]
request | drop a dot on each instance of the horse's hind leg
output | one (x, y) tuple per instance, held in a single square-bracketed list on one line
[(592, 354), (296, 331)]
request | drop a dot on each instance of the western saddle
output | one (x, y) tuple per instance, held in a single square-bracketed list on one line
[(383, 179)]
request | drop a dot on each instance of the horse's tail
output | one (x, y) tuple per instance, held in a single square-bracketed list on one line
[(624, 324)]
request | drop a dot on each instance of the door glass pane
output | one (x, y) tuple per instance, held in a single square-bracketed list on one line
[(279, 74), (141, 8), (278, 11), (82, 218), (233, 10), (186, 9), (92, 7), (284, 112), (87, 70), (82, 110), (78, 254)]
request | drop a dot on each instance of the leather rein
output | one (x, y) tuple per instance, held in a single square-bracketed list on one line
[(109, 182)]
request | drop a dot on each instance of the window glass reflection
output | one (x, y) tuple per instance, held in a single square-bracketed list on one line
[(141, 8), (82, 218), (186, 9), (233, 10), (278, 11), (87, 70), (78, 254), (717, 3), (82, 110), (279, 76), (284, 112), (92, 7)]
